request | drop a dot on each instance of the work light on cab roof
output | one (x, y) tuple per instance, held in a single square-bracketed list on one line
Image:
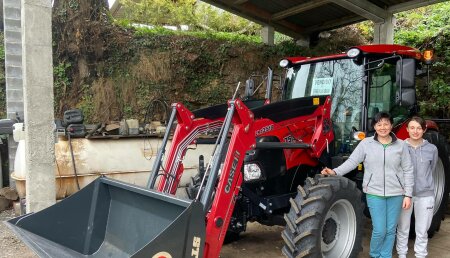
[(284, 63), (428, 56), (353, 52)]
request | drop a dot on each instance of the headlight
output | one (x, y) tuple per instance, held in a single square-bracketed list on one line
[(251, 172), (359, 136), (284, 63), (353, 52)]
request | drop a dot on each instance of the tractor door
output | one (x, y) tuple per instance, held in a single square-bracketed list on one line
[(384, 91), (343, 80)]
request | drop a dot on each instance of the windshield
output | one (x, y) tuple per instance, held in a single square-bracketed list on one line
[(342, 79)]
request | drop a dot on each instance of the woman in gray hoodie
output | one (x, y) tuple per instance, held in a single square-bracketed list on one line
[(388, 181), (424, 156)]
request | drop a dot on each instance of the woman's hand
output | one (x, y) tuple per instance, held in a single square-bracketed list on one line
[(406, 202), (328, 171)]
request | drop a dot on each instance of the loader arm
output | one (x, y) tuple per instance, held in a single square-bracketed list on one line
[(186, 133), (243, 138), (225, 180)]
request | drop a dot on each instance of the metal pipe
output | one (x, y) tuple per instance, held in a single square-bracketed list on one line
[(157, 164), (440, 120), (269, 84), (365, 89), (400, 83), (73, 160), (210, 184), (282, 145)]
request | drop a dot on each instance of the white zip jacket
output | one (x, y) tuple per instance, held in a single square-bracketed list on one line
[(387, 171)]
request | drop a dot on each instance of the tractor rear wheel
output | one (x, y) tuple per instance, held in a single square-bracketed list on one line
[(325, 219)]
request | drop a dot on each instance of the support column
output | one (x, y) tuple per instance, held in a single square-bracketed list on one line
[(268, 35), (383, 33), (13, 71), (38, 108)]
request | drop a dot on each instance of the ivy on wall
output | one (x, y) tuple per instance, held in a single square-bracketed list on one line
[(113, 70)]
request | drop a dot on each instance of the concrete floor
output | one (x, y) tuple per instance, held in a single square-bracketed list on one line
[(265, 242), (258, 242)]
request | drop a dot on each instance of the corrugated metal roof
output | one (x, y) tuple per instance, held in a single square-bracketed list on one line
[(305, 17)]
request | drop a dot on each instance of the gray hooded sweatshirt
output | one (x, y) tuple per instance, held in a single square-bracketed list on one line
[(388, 170), (424, 158)]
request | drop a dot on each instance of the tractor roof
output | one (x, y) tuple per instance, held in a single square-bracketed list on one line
[(365, 49)]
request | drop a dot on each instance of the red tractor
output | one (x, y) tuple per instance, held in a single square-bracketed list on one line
[(264, 167)]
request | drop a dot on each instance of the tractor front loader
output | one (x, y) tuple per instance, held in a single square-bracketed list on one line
[(109, 218)]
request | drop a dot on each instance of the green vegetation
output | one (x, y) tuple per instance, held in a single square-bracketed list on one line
[(135, 64), (420, 26), (61, 82), (225, 36), (424, 28), (197, 15)]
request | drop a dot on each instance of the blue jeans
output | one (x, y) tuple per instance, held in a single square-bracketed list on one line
[(385, 212)]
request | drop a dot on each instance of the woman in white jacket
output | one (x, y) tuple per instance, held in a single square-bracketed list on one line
[(424, 156)]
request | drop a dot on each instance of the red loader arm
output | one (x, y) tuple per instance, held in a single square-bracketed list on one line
[(224, 186)]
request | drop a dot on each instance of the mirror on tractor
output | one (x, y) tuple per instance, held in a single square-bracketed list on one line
[(249, 89), (405, 74), (408, 97)]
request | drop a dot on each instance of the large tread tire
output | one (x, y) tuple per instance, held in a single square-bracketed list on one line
[(325, 219), (441, 177)]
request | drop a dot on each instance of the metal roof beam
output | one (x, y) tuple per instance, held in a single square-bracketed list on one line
[(412, 5), (298, 9), (253, 13), (333, 24), (365, 9), (266, 16), (239, 2)]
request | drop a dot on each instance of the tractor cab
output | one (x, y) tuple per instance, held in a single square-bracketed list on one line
[(361, 82)]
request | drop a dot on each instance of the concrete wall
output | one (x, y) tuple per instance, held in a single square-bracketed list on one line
[(13, 71), (37, 66)]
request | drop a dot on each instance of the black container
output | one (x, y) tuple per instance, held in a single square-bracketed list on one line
[(74, 116), (6, 126), (76, 130)]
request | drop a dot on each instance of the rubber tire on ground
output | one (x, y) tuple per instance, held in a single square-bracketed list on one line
[(443, 184), (317, 203)]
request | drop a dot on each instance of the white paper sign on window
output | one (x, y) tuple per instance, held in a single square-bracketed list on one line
[(322, 86)]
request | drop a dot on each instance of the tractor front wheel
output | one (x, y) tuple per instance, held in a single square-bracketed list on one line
[(325, 219)]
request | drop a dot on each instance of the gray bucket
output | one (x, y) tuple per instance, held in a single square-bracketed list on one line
[(109, 218)]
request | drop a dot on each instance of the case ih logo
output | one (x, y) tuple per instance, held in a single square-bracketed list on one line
[(265, 129), (232, 171)]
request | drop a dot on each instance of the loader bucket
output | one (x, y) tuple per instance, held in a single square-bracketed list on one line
[(109, 218)]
